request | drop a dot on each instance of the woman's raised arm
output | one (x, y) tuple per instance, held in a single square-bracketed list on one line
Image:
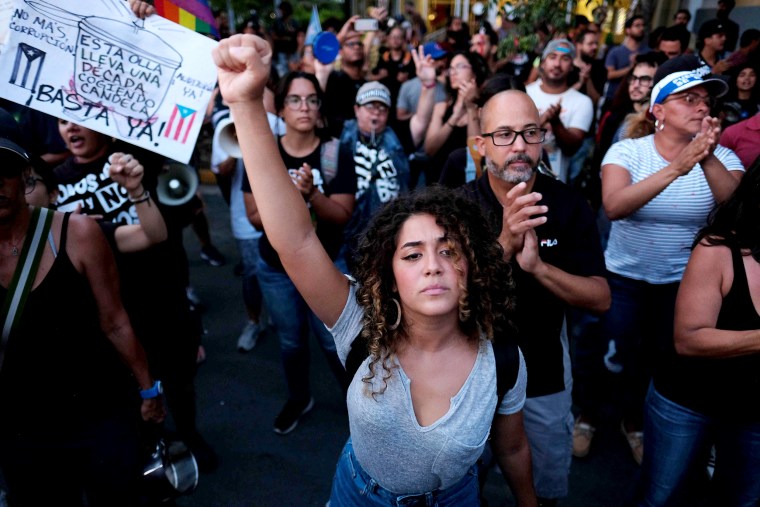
[(243, 63)]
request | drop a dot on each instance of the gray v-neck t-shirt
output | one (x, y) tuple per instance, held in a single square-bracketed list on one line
[(389, 443)]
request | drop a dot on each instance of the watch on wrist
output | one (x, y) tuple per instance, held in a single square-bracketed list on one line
[(153, 392)]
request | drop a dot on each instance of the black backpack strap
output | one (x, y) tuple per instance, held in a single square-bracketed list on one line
[(507, 360), (356, 355)]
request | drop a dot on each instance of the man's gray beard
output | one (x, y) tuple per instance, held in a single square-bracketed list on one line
[(508, 175)]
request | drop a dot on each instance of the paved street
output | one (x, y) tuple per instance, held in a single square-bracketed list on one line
[(240, 395)]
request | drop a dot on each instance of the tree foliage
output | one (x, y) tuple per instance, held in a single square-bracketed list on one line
[(265, 10), (528, 15)]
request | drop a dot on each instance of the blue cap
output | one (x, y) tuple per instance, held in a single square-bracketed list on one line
[(435, 50), (326, 47)]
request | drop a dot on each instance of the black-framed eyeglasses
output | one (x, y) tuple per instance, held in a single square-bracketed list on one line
[(30, 183), (693, 99), (642, 80), (294, 102), (506, 137)]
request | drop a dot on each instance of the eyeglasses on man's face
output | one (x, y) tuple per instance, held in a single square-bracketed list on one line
[(294, 102), (506, 137), (642, 80)]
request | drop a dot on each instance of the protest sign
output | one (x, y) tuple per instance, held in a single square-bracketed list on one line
[(147, 82)]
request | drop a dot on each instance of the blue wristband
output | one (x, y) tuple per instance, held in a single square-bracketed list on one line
[(153, 392)]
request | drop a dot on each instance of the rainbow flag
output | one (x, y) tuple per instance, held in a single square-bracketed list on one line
[(193, 14)]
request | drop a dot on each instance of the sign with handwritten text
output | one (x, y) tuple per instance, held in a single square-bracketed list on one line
[(147, 82)]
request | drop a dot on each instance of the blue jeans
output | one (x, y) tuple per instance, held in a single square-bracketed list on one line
[(353, 486), (639, 327), (676, 443), (292, 319), (249, 256)]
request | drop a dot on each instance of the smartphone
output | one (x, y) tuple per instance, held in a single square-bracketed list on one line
[(365, 25)]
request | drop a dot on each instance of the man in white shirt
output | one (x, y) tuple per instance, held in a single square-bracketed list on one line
[(566, 113)]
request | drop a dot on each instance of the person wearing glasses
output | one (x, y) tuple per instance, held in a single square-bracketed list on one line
[(328, 189), (658, 190), (342, 85), (456, 120), (371, 151), (631, 98), (550, 239)]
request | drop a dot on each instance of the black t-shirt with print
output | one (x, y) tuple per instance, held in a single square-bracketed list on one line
[(331, 235)]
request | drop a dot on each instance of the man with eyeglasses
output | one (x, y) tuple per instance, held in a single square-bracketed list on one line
[(566, 113), (374, 151), (341, 85), (549, 236)]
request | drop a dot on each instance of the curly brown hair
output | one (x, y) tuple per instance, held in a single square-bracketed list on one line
[(487, 294)]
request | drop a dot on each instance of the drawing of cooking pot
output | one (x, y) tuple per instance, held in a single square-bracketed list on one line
[(120, 65)]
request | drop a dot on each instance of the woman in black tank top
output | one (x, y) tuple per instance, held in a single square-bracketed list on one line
[(67, 400), (706, 388), (456, 119)]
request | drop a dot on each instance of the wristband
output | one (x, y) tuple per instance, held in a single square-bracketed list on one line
[(153, 392), (137, 200), (431, 85)]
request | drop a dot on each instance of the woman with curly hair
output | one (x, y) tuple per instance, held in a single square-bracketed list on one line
[(431, 295)]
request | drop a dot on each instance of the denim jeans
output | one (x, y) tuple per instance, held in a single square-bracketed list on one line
[(677, 442), (249, 256), (292, 319), (639, 327), (352, 486)]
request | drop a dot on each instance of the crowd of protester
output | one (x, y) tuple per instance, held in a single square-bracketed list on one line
[(467, 216)]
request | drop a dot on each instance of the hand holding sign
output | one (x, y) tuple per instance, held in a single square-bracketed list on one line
[(243, 63), (142, 81)]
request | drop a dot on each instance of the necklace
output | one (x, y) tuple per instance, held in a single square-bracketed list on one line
[(14, 247)]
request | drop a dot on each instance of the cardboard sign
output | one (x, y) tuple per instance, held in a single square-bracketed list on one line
[(146, 82)]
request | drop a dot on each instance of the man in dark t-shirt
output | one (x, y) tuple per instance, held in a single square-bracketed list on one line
[(549, 236), (342, 85)]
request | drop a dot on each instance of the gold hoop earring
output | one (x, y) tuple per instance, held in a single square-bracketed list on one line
[(659, 125), (398, 315)]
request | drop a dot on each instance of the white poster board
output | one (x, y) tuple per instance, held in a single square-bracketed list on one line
[(94, 63)]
